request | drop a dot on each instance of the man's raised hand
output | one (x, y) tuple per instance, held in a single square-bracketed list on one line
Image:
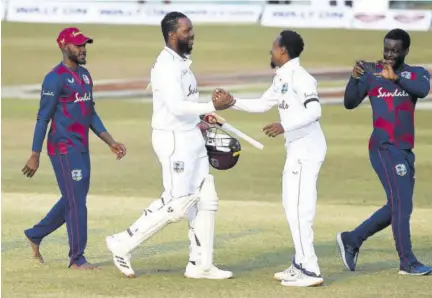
[(358, 70), (387, 72)]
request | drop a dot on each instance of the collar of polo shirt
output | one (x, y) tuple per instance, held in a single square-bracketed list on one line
[(289, 65), (177, 56)]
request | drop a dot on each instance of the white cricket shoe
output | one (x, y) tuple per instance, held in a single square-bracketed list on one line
[(287, 274), (121, 261), (302, 279), (194, 271)]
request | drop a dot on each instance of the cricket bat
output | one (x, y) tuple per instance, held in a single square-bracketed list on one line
[(215, 119)]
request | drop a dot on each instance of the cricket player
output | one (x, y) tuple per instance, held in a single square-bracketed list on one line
[(294, 91), (67, 102), (189, 189), (393, 92)]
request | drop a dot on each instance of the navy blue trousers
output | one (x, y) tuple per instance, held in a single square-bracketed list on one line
[(72, 171), (396, 171)]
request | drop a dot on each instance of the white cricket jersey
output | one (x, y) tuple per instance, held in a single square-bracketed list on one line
[(291, 90), (175, 93)]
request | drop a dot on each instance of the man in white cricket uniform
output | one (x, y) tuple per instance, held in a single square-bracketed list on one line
[(189, 189), (294, 91)]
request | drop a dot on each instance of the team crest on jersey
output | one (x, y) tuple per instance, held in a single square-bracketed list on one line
[(178, 166), (406, 75), (86, 79), (401, 169), (284, 88), (76, 175)]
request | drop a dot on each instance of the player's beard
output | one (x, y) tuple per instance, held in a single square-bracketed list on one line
[(183, 47), (272, 65), (74, 58)]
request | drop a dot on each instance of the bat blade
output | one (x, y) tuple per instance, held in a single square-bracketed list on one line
[(244, 136)]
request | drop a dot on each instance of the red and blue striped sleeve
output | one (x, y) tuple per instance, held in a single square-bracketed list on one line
[(51, 90), (417, 84)]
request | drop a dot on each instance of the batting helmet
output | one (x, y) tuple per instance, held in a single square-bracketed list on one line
[(223, 150)]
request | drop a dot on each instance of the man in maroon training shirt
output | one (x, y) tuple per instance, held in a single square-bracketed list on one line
[(67, 101), (393, 92)]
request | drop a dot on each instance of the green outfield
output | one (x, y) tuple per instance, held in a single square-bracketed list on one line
[(30, 50), (252, 236)]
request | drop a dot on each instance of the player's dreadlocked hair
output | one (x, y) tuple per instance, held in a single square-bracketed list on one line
[(169, 23), (399, 34), (293, 42)]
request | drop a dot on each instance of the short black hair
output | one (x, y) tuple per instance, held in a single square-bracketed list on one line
[(399, 34), (169, 23), (293, 42)]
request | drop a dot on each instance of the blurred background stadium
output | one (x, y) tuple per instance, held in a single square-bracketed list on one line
[(233, 39)]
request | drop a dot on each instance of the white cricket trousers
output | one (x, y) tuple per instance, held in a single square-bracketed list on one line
[(299, 194), (184, 161)]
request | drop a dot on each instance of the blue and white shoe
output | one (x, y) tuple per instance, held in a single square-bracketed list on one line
[(348, 253), (304, 278), (289, 273), (416, 270)]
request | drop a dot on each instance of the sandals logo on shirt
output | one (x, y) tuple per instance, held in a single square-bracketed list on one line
[(76, 175)]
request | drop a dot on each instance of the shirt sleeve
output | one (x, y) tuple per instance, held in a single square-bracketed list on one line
[(355, 92), (418, 84), (96, 124), (305, 86), (167, 82), (51, 91), (258, 105)]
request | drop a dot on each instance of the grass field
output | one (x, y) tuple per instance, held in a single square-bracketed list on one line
[(30, 50), (252, 237)]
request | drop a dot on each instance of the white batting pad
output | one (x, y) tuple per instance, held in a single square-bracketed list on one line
[(194, 249), (204, 222), (148, 224)]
